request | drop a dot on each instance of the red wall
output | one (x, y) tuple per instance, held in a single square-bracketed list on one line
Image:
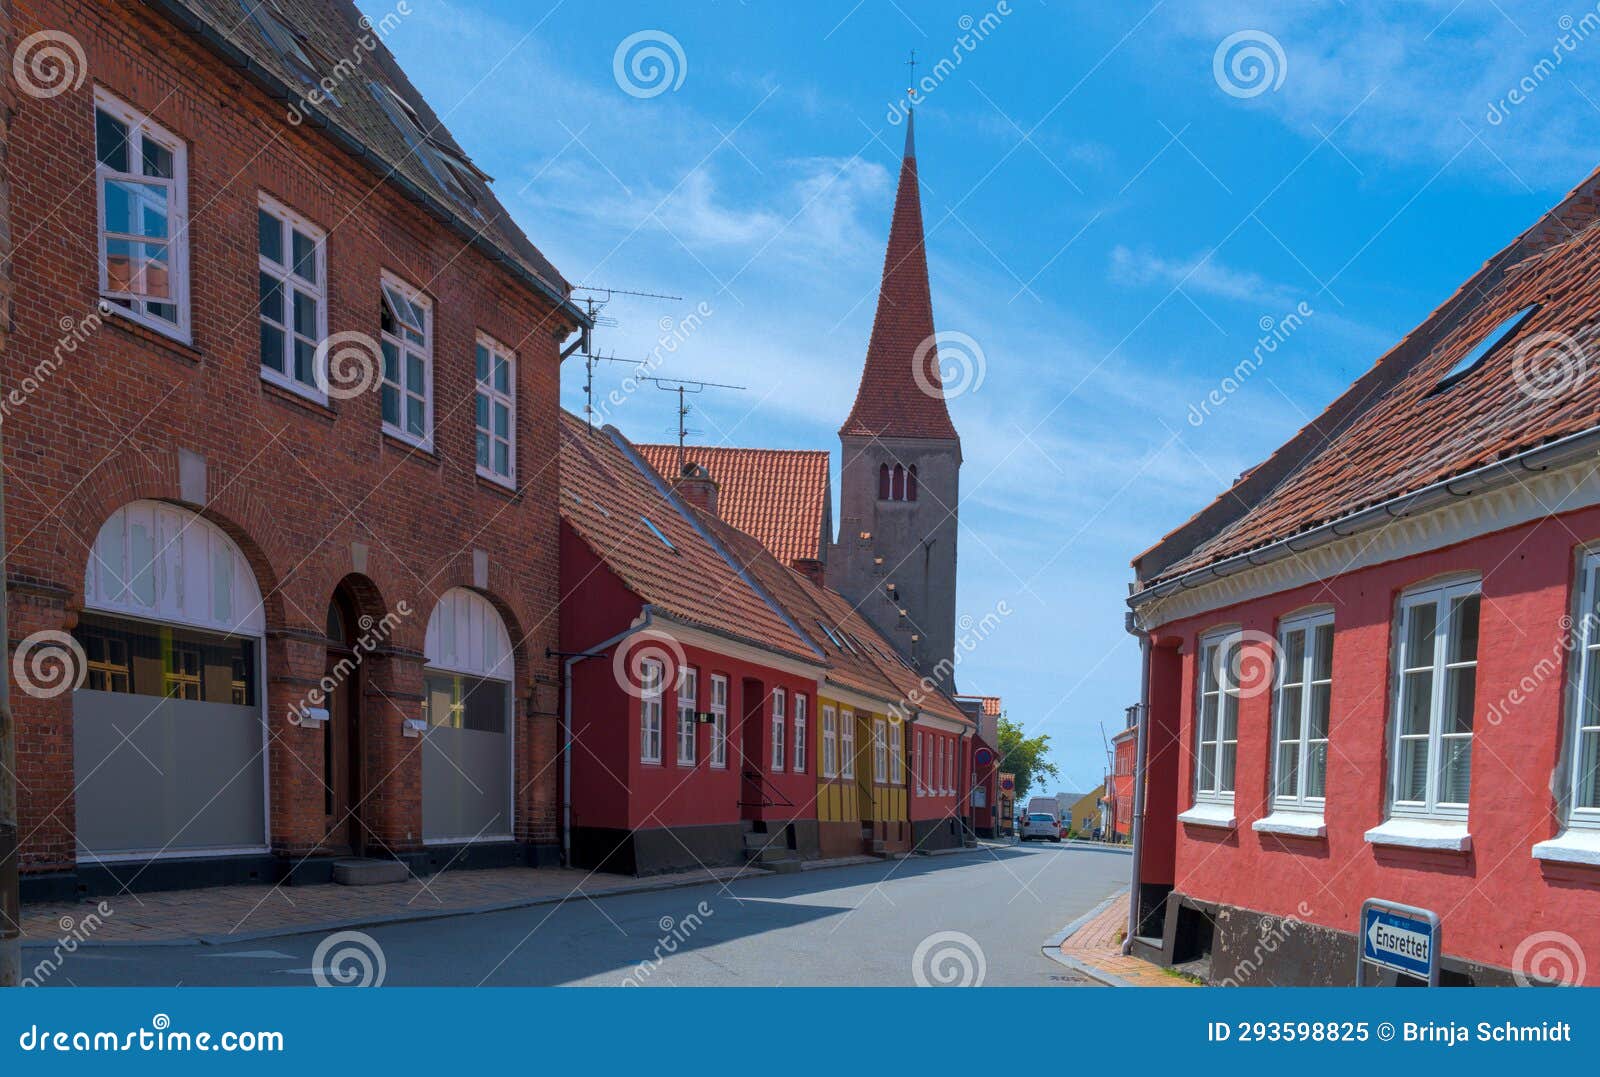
[(939, 806), (1490, 898)]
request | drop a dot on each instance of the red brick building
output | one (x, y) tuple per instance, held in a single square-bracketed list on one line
[(280, 449), (1371, 663)]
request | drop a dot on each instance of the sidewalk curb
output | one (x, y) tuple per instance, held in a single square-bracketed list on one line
[(1051, 947)]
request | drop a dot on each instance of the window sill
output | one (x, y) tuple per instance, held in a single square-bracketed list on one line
[(293, 397), (1571, 846), (1294, 824), (1210, 814), (1450, 836), (423, 454)]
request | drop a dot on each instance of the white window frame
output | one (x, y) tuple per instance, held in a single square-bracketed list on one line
[(404, 347), (897, 753), (880, 752), (1439, 595), (1213, 678), (799, 753), (1581, 683), (719, 721), (140, 128), (290, 221), (486, 390), (688, 697), (778, 719), (919, 767), (847, 744), (651, 677), (830, 742), (1308, 625)]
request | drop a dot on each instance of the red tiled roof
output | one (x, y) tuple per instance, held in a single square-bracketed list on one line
[(607, 498), (780, 496), (1412, 432), (990, 704), (889, 402)]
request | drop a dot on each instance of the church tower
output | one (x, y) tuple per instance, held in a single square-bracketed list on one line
[(899, 476)]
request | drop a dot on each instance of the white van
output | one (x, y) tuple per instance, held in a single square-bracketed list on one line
[(1041, 821)]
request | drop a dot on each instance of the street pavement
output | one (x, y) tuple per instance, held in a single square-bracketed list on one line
[(978, 916)]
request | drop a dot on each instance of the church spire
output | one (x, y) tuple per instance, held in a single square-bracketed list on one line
[(900, 393)]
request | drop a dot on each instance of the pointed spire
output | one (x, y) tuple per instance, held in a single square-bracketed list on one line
[(900, 393), (911, 142)]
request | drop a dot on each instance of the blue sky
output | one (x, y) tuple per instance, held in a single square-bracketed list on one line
[(1111, 220)]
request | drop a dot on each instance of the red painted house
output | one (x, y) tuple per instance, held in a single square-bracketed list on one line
[(1371, 665)]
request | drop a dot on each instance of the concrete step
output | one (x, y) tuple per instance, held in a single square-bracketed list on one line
[(776, 852), (754, 841), (368, 872)]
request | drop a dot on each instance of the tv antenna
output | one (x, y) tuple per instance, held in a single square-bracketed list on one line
[(685, 387), (595, 301)]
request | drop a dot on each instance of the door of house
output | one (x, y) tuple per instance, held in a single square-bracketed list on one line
[(341, 738), (752, 764)]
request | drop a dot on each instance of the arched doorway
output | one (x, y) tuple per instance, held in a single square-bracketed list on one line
[(467, 752), (342, 784), (169, 731)]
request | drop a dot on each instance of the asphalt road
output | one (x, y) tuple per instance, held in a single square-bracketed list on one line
[(976, 916)]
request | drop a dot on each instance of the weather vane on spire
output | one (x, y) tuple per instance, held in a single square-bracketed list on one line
[(911, 90)]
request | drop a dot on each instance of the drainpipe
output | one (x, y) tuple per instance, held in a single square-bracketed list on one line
[(597, 651), (1138, 783)]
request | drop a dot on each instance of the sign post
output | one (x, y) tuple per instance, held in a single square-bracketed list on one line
[(1401, 938)]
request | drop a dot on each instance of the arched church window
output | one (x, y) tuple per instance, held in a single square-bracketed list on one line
[(899, 489), (911, 483), (883, 482)]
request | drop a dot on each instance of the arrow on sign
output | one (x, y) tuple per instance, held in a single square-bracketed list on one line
[(1401, 942)]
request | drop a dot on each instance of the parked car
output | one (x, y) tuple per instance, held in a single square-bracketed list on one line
[(1041, 825)]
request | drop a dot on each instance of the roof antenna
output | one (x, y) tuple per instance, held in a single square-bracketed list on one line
[(682, 386), (594, 302)]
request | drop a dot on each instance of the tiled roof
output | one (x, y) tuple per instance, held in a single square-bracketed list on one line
[(334, 32), (780, 496), (1410, 431), (612, 502), (990, 704), (889, 401)]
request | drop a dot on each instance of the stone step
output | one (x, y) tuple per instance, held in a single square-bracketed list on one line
[(368, 872)]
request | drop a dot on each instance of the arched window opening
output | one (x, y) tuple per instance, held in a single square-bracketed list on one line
[(883, 482), (911, 483), (899, 490)]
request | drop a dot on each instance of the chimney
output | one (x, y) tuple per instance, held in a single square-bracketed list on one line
[(809, 567), (698, 488)]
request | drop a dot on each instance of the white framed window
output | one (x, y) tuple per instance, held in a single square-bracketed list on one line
[(847, 744), (1582, 747), (919, 766), (292, 298), (830, 743), (944, 771), (406, 320), (650, 677), (799, 734), (1434, 696), (880, 752), (141, 177), (777, 728), (719, 720), (897, 756), (496, 411), (688, 695), (1300, 722), (1217, 721)]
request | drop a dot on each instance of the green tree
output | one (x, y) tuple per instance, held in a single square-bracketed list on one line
[(1025, 757)]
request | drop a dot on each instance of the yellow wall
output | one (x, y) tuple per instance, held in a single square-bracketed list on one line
[(841, 800)]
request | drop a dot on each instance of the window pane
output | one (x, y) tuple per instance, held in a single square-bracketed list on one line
[(155, 272), (305, 314), (1205, 778), (391, 363), (1322, 657), (483, 412), (1418, 689), (1457, 752), (502, 421), (1414, 769), (414, 416), (1208, 718), (269, 234), (272, 347), (271, 299), (119, 265), (1420, 622), (1230, 717), (391, 405), (1288, 770), (1588, 785), (414, 369), (1316, 778), (1459, 690), (157, 159), (1292, 699), (305, 257), (1317, 718), (1225, 769), (1464, 629), (502, 376), (1294, 656), (483, 449), (110, 141), (502, 458), (483, 364), (305, 354)]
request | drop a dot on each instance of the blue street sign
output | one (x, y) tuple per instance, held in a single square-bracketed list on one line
[(1401, 938)]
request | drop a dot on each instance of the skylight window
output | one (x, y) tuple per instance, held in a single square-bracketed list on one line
[(288, 42), (445, 172), (832, 636), (656, 531), (1492, 340)]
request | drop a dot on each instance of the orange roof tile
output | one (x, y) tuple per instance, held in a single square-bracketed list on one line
[(780, 496)]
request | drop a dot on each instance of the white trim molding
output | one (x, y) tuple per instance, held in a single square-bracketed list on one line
[(1294, 824), (1573, 846), (1210, 813), (1450, 836)]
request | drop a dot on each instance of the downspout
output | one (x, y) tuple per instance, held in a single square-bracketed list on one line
[(597, 651), (1140, 746)]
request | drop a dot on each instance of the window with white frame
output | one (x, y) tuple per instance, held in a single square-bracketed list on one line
[(936, 747), (830, 743), (650, 677), (688, 694), (406, 321), (719, 720), (897, 757), (293, 298), (496, 409), (1434, 699), (949, 765), (141, 174), (777, 728), (1300, 724), (847, 744), (1217, 725), (1582, 748), (880, 752), (919, 767), (799, 734)]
